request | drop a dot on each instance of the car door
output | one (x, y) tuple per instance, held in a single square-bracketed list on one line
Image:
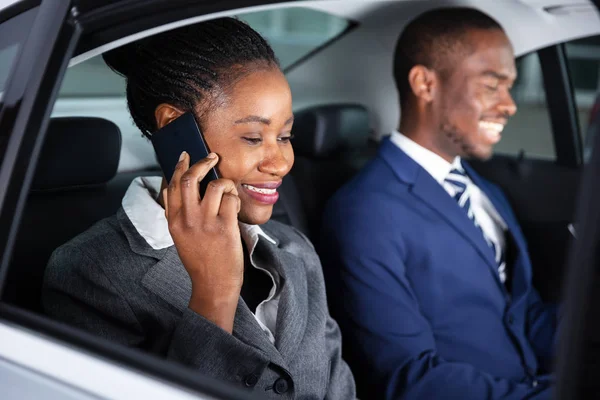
[(540, 160)]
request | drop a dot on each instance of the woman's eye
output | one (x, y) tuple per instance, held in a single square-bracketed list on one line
[(286, 139), (252, 140)]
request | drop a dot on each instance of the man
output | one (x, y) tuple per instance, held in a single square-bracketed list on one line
[(426, 266)]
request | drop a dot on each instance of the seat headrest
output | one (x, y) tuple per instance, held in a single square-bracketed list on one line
[(78, 151), (322, 130)]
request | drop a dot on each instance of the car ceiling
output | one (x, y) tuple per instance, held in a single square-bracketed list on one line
[(357, 68)]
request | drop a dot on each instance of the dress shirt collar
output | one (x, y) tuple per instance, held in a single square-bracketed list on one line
[(435, 165), (148, 217)]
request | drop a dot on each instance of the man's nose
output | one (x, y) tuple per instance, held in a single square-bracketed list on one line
[(507, 105)]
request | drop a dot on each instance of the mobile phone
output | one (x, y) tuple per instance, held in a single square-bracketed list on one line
[(181, 134)]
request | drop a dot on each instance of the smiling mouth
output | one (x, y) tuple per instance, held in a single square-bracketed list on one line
[(493, 130), (260, 190)]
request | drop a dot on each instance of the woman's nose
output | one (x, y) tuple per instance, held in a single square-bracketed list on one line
[(275, 162)]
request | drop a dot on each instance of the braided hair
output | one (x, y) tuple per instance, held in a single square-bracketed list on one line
[(188, 67)]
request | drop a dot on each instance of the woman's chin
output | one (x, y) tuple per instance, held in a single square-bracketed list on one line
[(255, 216)]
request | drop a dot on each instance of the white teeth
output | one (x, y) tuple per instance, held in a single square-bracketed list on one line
[(258, 190), (492, 126)]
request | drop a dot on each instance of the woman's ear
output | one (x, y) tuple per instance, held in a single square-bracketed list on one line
[(423, 82), (166, 113)]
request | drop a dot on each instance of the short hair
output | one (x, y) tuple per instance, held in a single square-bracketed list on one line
[(433, 40), (183, 66)]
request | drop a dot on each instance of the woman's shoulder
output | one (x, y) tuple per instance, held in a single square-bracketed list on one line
[(101, 247), (103, 235)]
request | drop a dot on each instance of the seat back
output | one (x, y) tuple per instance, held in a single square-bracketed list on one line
[(69, 193), (331, 145)]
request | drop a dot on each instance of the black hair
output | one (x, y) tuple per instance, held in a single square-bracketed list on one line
[(187, 66), (435, 39)]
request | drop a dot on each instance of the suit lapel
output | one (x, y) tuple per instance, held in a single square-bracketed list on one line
[(430, 192), (521, 273), (433, 194)]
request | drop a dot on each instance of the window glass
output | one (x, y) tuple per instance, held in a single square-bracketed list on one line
[(529, 130), (584, 68), (13, 33), (295, 32), (92, 89)]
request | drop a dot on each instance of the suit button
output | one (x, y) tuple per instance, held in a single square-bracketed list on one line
[(281, 386), (251, 380), (534, 383)]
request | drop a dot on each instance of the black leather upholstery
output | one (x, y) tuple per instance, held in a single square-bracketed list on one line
[(323, 131), (331, 144), (75, 186), (78, 151)]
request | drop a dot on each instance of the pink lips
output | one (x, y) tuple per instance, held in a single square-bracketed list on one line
[(265, 198)]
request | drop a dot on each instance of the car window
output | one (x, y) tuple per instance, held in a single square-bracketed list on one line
[(529, 131), (295, 32), (584, 68), (13, 33), (92, 89)]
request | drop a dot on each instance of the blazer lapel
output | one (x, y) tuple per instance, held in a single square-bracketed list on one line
[(430, 192), (170, 281), (293, 302)]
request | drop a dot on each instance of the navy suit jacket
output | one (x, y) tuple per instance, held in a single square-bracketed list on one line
[(416, 290)]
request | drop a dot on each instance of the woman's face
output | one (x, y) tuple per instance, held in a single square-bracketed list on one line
[(250, 131)]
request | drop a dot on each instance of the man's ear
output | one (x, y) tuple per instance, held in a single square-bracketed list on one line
[(423, 82), (166, 113)]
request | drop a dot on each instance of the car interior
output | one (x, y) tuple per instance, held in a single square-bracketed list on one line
[(339, 120)]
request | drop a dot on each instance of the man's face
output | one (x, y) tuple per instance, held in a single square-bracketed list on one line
[(474, 100)]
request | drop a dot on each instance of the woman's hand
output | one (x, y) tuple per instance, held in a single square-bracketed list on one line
[(207, 238)]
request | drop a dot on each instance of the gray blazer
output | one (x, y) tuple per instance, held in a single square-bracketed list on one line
[(110, 282)]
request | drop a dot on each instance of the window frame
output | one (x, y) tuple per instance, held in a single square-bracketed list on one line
[(562, 108)]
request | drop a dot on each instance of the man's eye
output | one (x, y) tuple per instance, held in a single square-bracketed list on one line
[(252, 140), (492, 88)]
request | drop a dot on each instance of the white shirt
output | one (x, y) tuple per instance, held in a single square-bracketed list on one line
[(148, 218), (485, 213)]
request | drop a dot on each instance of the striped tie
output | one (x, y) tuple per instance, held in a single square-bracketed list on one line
[(456, 184)]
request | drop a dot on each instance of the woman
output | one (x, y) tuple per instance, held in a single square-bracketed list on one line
[(199, 280)]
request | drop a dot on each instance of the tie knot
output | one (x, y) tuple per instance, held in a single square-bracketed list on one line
[(457, 180)]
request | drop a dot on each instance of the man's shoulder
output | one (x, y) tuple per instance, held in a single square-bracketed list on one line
[(375, 185)]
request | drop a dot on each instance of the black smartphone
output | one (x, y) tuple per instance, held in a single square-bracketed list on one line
[(182, 134)]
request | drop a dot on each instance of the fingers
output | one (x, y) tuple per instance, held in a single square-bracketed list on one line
[(218, 191), (165, 198), (173, 190), (230, 207), (183, 191), (190, 183), (182, 197)]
